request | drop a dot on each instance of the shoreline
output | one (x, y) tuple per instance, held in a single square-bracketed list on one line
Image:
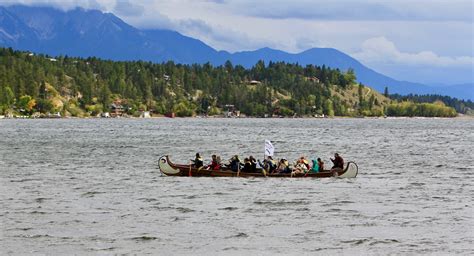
[(459, 117)]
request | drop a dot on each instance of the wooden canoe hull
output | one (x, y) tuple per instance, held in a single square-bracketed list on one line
[(170, 169)]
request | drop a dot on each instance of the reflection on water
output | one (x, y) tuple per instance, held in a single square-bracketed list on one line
[(92, 186)]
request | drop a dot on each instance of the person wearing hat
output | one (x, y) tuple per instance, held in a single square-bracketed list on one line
[(283, 166), (301, 166)]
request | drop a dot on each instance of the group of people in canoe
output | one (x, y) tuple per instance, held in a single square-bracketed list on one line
[(301, 166)]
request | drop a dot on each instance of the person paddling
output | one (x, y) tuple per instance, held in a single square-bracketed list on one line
[(197, 162), (337, 161), (215, 163), (253, 164), (268, 164), (234, 163), (320, 165)]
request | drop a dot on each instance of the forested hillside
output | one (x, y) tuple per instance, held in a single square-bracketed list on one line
[(461, 106), (32, 83)]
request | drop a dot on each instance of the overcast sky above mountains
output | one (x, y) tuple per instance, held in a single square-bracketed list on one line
[(428, 41)]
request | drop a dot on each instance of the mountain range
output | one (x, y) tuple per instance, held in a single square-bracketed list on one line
[(86, 33)]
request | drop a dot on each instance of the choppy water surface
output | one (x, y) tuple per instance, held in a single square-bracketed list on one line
[(92, 186)]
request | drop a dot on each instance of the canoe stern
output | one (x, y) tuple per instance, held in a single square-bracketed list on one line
[(351, 171)]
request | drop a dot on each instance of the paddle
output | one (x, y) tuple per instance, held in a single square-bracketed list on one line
[(238, 169), (190, 164)]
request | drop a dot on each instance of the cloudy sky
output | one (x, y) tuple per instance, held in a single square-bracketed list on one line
[(428, 41)]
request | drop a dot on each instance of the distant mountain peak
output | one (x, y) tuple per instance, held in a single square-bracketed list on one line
[(84, 33)]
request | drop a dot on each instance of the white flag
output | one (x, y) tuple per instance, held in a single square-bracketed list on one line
[(269, 149)]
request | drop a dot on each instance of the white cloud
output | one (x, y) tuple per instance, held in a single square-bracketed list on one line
[(432, 10), (103, 5), (380, 50), (425, 34), (127, 8)]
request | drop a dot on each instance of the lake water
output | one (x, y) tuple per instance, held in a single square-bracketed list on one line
[(92, 187)]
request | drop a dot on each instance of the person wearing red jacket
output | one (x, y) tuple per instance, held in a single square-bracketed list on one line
[(215, 163)]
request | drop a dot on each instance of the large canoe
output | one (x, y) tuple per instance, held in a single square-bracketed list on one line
[(170, 169)]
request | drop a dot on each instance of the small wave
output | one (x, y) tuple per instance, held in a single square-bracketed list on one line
[(356, 241), (184, 210), (144, 238), (366, 224), (230, 248), (282, 203), (304, 209), (239, 235), (370, 241), (104, 249), (221, 193), (385, 241), (148, 199), (314, 232), (343, 202), (92, 193), (229, 208), (399, 211), (417, 184), (24, 180), (40, 199), (38, 212), (22, 229), (162, 208), (35, 236)]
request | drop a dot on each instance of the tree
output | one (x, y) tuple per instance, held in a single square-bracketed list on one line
[(104, 97), (26, 103), (362, 104), (385, 92), (349, 77), (288, 87), (371, 101), (45, 106), (6, 96), (328, 108)]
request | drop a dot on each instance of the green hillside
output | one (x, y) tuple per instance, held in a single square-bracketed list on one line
[(37, 85)]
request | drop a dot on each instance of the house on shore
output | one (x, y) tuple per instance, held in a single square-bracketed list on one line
[(116, 109), (312, 79), (231, 111), (145, 114)]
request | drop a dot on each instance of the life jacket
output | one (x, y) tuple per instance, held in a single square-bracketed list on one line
[(215, 165), (315, 167), (271, 164), (234, 165)]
